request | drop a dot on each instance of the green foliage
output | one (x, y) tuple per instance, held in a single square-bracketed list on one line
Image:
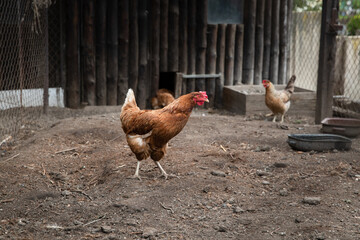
[(353, 25), (307, 5)]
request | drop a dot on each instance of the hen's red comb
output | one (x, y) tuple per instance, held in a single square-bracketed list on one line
[(203, 93)]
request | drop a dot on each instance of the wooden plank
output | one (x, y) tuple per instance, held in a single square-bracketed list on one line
[(201, 26), (173, 51), (220, 64), (88, 53), (190, 84), (274, 51), (123, 68), (133, 45), (249, 41), (229, 54), (112, 52), (143, 84), (183, 41), (239, 44), (100, 39), (290, 35), (283, 68), (164, 15), (199, 76), (155, 47), (211, 63), (72, 90), (259, 42), (267, 40)]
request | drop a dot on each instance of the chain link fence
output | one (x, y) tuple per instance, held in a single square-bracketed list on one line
[(23, 63), (304, 62)]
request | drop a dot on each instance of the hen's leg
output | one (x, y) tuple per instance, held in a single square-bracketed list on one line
[(282, 118), (136, 175), (274, 119), (163, 171)]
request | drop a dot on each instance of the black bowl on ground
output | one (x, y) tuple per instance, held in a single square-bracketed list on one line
[(349, 127), (318, 142)]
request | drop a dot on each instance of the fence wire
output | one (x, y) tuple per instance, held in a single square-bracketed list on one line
[(23, 64), (305, 48)]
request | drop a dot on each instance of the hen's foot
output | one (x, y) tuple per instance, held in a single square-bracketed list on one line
[(134, 177), (166, 176)]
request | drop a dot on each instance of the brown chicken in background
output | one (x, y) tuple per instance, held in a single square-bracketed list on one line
[(278, 101), (149, 131), (163, 98)]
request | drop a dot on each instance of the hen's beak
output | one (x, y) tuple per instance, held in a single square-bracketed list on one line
[(206, 100)]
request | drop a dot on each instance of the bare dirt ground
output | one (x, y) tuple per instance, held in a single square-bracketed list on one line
[(66, 177)]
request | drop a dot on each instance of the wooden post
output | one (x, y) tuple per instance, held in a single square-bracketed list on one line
[(142, 93), (229, 54), (283, 68), (173, 51), (46, 78), (249, 41), (211, 62), (259, 41), (190, 84), (112, 52), (220, 64), (164, 15), (88, 45), (274, 52), (325, 84), (239, 44), (201, 21), (100, 29), (133, 46), (72, 55), (155, 46), (289, 37), (267, 40), (183, 46), (123, 52)]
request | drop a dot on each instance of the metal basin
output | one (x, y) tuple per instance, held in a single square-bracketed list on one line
[(318, 142), (349, 127)]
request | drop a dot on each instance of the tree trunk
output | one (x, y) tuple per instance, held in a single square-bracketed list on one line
[(211, 62), (173, 52), (274, 52), (100, 52), (283, 42), (239, 44), (220, 64), (259, 41), (89, 53), (155, 46), (267, 40), (201, 21), (123, 52), (72, 90), (183, 46), (229, 54), (133, 46), (112, 52), (190, 84), (142, 93), (164, 17), (249, 41)]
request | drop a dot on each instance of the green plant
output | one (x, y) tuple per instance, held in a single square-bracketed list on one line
[(354, 25)]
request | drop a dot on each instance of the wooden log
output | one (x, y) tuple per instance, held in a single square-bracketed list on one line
[(290, 35), (239, 44), (259, 41), (267, 40), (88, 52), (283, 42), (183, 38), (249, 41), (72, 90), (274, 51), (201, 23), (325, 84), (155, 47), (164, 17), (173, 51), (142, 93), (220, 64), (229, 54), (112, 52), (100, 39), (190, 84), (133, 46), (123, 52), (211, 62)]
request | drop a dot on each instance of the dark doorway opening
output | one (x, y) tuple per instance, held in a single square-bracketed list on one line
[(167, 80)]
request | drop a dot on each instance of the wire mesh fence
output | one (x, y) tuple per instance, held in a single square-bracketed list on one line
[(23, 63), (305, 61)]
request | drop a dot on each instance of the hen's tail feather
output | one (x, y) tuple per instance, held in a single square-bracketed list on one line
[(130, 98), (291, 84)]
